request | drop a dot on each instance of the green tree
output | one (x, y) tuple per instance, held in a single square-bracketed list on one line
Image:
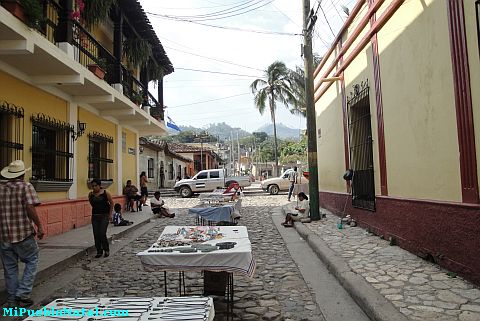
[(275, 87), (298, 86)]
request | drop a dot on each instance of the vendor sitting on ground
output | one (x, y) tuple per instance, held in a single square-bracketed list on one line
[(158, 206), (131, 192), (301, 210), (117, 216)]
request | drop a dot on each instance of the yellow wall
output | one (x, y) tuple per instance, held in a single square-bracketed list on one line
[(129, 162), (474, 61), (94, 123), (418, 103), (33, 101), (330, 150)]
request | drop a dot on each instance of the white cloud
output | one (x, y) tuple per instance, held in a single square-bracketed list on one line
[(245, 48)]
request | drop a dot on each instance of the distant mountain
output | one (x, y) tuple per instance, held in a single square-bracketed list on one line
[(283, 131), (222, 130)]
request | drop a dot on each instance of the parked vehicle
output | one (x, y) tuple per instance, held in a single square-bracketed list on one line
[(281, 183), (207, 181)]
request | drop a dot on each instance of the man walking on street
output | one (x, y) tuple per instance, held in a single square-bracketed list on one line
[(292, 177), (17, 233)]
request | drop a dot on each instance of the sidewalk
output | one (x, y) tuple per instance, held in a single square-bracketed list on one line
[(59, 251), (386, 281)]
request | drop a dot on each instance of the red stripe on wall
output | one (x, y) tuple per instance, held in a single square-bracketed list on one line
[(379, 103), (463, 101)]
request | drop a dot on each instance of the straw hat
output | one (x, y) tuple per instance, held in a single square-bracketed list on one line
[(14, 170)]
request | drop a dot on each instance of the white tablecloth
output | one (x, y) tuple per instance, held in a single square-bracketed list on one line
[(238, 260), (141, 309)]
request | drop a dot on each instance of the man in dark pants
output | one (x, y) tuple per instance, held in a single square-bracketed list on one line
[(158, 206), (17, 233), (292, 177)]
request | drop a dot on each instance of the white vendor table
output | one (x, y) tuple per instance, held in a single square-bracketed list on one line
[(139, 309), (238, 260)]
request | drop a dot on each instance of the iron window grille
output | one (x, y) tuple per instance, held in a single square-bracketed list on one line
[(11, 133), (361, 151), (52, 139), (99, 150), (150, 168)]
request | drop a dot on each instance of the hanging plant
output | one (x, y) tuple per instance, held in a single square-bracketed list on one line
[(96, 11), (137, 51), (77, 12), (155, 71), (33, 10)]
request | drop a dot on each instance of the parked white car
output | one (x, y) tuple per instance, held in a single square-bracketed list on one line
[(207, 181), (281, 183)]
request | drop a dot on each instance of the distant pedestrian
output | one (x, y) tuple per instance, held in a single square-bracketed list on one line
[(131, 192), (143, 188), (17, 233), (292, 177), (102, 208)]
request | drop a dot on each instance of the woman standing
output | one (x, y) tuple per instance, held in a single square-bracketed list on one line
[(143, 187), (102, 207)]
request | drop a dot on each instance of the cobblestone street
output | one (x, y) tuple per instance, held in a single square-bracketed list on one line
[(277, 291), (421, 290)]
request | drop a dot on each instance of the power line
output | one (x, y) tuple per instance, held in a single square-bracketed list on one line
[(235, 29), (217, 72), (328, 23), (220, 5), (207, 101), (215, 59), (222, 14)]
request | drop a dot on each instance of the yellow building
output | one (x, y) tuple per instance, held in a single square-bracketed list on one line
[(395, 102), (63, 118)]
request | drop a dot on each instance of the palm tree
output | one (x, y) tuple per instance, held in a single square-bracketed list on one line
[(275, 87), (298, 87)]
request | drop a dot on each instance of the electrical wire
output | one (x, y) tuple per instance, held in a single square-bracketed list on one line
[(220, 5), (216, 72), (215, 59), (328, 23), (210, 100), (237, 29)]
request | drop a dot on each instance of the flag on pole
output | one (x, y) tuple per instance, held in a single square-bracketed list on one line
[(172, 125)]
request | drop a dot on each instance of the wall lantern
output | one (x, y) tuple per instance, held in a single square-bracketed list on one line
[(141, 149), (80, 130)]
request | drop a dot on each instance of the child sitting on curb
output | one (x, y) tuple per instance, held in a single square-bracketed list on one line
[(117, 216)]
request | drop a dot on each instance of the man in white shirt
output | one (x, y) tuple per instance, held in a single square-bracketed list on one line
[(301, 211), (158, 206)]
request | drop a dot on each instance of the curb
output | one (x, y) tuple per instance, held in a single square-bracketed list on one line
[(80, 253), (375, 305)]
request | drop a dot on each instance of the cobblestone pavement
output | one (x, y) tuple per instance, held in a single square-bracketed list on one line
[(419, 289), (277, 292)]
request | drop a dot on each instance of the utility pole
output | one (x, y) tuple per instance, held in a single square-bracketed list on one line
[(239, 156), (309, 19)]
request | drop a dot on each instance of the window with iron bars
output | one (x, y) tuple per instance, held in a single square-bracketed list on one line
[(100, 147), (150, 168), (51, 143), (11, 133)]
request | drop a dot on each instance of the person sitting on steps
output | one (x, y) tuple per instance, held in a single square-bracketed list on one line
[(158, 207), (301, 211), (131, 192)]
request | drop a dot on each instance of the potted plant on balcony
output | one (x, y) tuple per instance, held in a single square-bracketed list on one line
[(96, 11), (28, 11), (137, 98), (99, 69)]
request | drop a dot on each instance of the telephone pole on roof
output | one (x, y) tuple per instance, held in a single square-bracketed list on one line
[(309, 19)]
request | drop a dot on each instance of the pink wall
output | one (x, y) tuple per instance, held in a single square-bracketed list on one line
[(62, 216), (448, 233)]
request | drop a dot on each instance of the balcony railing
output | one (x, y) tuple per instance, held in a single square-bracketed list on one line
[(88, 51)]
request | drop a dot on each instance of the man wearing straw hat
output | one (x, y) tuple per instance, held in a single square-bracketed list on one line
[(17, 233)]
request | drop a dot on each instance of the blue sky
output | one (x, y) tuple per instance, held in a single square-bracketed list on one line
[(200, 98)]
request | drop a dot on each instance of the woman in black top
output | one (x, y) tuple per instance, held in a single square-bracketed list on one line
[(102, 207)]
